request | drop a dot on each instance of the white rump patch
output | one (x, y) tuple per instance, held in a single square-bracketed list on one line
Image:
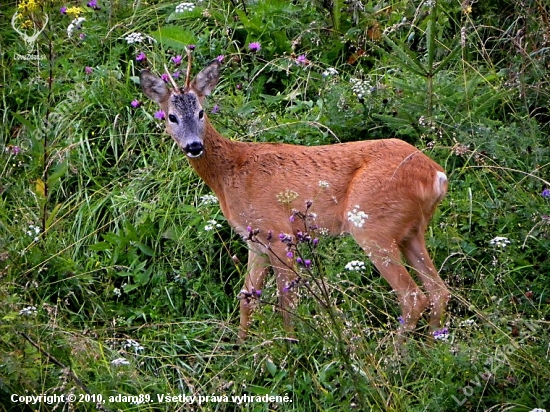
[(439, 184), (442, 177)]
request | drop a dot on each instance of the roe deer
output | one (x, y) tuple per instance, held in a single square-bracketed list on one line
[(381, 192)]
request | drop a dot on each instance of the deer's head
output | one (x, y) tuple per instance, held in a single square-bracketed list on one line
[(185, 117)]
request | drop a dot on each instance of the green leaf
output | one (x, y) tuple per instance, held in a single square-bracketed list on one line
[(145, 249), (271, 367), (449, 57), (101, 246), (129, 287), (58, 172), (174, 37), (258, 390), (143, 277), (52, 215), (24, 121)]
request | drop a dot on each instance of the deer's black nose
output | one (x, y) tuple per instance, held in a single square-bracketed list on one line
[(194, 149)]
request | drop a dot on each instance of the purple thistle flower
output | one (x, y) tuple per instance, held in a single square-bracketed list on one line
[(315, 242), (285, 238), (249, 229), (165, 77), (546, 193), (93, 5), (441, 334), (177, 60), (15, 150), (254, 47), (220, 58), (176, 74), (215, 109), (88, 70), (63, 10), (191, 47), (307, 263), (301, 60), (258, 293), (400, 319), (289, 254), (160, 115), (141, 57), (82, 36), (286, 289), (291, 218), (299, 260), (135, 103)]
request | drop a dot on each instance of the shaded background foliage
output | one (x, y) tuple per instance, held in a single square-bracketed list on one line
[(105, 236)]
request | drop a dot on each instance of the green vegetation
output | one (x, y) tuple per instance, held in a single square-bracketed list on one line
[(119, 274)]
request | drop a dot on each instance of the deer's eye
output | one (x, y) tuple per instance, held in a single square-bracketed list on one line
[(172, 118), (201, 114)]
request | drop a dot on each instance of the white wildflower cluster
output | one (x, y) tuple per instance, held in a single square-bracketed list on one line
[(33, 231), (183, 7), (134, 38), (117, 292), (331, 71), (211, 225), (119, 361), (499, 241), (537, 410), (138, 38), (130, 343), (75, 24), (360, 88), (468, 323), (28, 311), (323, 231), (355, 266), (357, 216), (208, 200), (323, 184)]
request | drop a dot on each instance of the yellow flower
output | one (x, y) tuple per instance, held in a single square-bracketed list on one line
[(27, 24), (28, 6), (467, 10), (74, 11)]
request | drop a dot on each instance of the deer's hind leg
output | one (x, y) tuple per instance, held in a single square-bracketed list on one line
[(415, 252), (386, 256)]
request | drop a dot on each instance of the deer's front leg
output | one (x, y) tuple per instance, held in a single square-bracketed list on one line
[(285, 276), (258, 265)]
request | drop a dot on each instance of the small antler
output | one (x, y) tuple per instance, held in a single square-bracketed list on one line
[(189, 61), (174, 84)]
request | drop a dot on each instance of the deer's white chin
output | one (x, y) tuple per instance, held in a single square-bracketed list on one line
[(194, 156)]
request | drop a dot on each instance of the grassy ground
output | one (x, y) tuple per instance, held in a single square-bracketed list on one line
[(119, 274)]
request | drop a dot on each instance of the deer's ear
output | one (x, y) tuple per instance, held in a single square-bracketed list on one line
[(206, 80), (154, 87)]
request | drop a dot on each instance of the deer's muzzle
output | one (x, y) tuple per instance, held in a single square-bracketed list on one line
[(194, 149)]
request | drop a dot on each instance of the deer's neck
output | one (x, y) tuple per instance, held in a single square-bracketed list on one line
[(219, 162)]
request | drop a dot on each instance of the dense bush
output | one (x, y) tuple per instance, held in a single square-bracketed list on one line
[(119, 274)]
